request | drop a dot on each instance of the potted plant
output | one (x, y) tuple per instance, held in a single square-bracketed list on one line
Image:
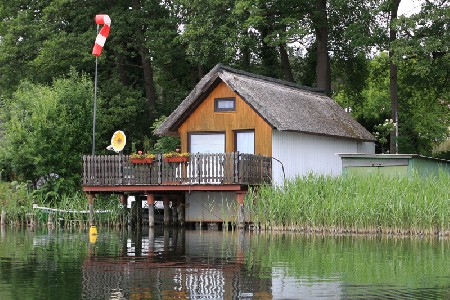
[(176, 156), (142, 158)]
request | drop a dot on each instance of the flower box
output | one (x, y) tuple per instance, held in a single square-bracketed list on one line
[(142, 160), (176, 159)]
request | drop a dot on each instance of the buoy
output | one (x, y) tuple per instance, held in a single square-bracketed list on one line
[(93, 234), (93, 230)]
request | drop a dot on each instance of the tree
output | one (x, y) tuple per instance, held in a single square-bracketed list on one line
[(422, 50), (393, 74), (319, 18), (46, 131)]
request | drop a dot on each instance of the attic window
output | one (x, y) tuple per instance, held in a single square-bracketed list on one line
[(224, 104)]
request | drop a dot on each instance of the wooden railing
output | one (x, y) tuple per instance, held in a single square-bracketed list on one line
[(219, 168)]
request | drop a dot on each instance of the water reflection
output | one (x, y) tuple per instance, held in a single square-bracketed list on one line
[(187, 264), (180, 264), (175, 264)]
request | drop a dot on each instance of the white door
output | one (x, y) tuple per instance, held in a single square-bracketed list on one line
[(206, 169), (245, 141)]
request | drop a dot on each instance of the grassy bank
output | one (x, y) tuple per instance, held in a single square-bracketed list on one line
[(16, 202), (364, 204)]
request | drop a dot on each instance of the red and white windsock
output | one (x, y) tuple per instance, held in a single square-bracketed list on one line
[(102, 35)]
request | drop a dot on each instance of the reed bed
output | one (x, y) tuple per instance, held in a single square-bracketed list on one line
[(16, 203), (355, 204)]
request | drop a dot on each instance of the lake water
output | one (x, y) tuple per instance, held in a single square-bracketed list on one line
[(194, 264)]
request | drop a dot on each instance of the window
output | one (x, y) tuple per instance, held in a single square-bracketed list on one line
[(224, 104)]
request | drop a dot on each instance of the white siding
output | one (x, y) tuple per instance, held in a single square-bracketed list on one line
[(302, 154), (210, 207)]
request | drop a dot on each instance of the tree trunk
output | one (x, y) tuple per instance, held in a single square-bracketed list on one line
[(122, 70), (193, 75), (149, 85), (201, 72), (245, 60), (268, 54), (150, 90), (285, 64), (393, 79), (323, 69)]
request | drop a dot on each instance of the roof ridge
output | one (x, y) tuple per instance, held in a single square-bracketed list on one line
[(219, 67)]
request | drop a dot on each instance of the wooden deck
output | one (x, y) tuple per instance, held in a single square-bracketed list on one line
[(220, 171)]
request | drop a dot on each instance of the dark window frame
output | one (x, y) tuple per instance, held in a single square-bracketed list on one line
[(244, 131), (218, 109)]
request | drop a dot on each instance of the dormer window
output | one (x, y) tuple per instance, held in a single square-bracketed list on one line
[(224, 104)]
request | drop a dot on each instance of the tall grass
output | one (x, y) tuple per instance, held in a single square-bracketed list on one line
[(366, 204), (16, 200)]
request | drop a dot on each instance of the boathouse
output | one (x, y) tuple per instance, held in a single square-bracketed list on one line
[(241, 130)]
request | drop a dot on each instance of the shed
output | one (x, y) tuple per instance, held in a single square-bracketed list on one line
[(241, 130), (393, 164), (300, 127)]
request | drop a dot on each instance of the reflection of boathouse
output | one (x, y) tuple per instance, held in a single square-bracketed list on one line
[(170, 265)]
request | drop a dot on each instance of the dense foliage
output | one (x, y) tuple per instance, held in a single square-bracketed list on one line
[(158, 50)]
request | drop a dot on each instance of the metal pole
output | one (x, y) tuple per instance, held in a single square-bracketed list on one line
[(95, 102), (396, 132)]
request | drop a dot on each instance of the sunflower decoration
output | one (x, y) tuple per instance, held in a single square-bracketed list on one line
[(118, 141)]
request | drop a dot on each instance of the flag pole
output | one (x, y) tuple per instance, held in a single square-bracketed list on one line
[(95, 103)]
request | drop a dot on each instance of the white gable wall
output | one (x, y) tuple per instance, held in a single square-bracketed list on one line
[(302, 154)]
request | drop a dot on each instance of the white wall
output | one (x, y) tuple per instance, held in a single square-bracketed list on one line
[(210, 206), (302, 154)]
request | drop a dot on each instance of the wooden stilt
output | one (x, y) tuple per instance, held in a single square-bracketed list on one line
[(124, 212), (240, 197), (166, 202), (138, 210), (49, 219), (151, 209), (175, 212), (91, 208), (151, 240), (3, 217), (180, 207)]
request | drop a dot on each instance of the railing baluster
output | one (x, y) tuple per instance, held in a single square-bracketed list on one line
[(203, 168)]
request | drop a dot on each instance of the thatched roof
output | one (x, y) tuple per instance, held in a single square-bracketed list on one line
[(284, 105)]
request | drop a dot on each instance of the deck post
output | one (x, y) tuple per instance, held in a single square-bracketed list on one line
[(151, 209), (180, 207), (151, 240), (91, 208), (240, 196), (175, 205), (136, 211), (49, 219), (123, 202), (166, 202)]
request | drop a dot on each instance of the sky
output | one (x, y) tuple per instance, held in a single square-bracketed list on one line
[(408, 7)]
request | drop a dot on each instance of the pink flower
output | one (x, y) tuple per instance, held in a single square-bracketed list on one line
[(139, 152), (178, 150)]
